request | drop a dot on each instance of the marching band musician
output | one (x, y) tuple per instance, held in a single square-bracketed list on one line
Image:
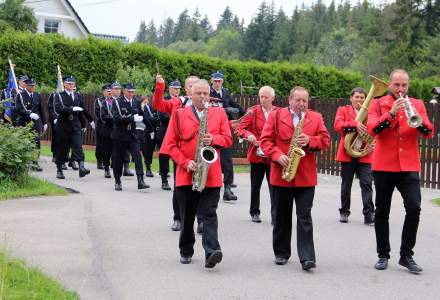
[(170, 106), (181, 142), (250, 128), (396, 164), (104, 127), (28, 108), (276, 138), (345, 123), (69, 105), (126, 111)]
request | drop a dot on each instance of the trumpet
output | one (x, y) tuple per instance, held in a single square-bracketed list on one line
[(414, 120)]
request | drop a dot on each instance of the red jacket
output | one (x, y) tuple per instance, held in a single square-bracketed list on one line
[(180, 142), (162, 105), (275, 141), (345, 123), (252, 124), (397, 144)]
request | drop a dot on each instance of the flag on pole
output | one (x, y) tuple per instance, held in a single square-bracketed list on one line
[(60, 87), (12, 85)]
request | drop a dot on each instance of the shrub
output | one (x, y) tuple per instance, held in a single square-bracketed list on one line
[(17, 151)]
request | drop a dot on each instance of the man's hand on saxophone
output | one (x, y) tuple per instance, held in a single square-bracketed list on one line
[(207, 139), (192, 166), (284, 161), (302, 139)]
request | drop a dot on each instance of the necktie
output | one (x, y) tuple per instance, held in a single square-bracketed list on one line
[(149, 111)]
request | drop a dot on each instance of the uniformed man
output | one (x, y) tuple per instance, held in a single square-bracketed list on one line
[(126, 112), (99, 102), (181, 142), (104, 127), (396, 164), (250, 128), (150, 135), (29, 108), (233, 110), (345, 123), (170, 106), (115, 94), (69, 105), (275, 141)]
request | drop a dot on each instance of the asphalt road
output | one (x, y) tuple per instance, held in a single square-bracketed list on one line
[(118, 245)]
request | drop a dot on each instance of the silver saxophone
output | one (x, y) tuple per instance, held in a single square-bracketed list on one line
[(205, 155)]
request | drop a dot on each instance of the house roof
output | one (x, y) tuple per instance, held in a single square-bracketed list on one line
[(76, 15)]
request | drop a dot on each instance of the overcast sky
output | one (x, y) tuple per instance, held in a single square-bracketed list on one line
[(122, 17)]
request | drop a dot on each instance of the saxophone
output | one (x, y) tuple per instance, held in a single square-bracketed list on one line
[(295, 153), (205, 155)]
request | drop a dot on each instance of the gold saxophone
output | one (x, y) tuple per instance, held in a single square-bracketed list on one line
[(357, 144), (205, 155), (295, 153)]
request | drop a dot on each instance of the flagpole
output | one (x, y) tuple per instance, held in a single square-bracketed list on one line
[(11, 66)]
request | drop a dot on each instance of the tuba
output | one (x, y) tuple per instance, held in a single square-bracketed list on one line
[(414, 120), (354, 143), (295, 153), (205, 155)]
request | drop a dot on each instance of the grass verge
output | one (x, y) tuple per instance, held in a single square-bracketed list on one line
[(19, 281), (28, 186), (90, 158), (436, 201)]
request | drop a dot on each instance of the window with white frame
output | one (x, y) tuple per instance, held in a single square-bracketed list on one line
[(51, 26)]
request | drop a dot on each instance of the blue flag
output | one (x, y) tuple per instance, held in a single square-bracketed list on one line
[(12, 85)]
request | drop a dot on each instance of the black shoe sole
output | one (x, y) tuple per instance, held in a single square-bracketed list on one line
[(185, 262), (409, 270), (308, 266), (213, 259)]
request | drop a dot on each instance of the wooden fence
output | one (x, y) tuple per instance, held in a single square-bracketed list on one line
[(327, 164)]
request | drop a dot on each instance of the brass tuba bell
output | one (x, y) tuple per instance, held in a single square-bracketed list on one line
[(354, 143)]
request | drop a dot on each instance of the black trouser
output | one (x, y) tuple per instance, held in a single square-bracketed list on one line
[(105, 150), (176, 208), (227, 167), (120, 149), (164, 166), (257, 175), (148, 147), (99, 147), (363, 170), (282, 229), (53, 142), (65, 142), (203, 204), (408, 184)]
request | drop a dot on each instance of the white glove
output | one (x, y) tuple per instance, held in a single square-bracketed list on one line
[(138, 118), (55, 121), (84, 130), (92, 124), (44, 127), (77, 108), (34, 116)]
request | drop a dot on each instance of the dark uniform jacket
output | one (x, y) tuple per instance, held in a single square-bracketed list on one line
[(104, 116), (232, 108), (24, 106), (69, 120), (124, 127)]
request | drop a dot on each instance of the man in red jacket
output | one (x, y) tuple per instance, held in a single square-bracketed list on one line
[(396, 164), (181, 142), (345, 123), (250, 128), (275, 141)]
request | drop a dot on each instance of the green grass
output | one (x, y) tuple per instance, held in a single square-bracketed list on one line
[(28, 186), (19, 281), (436, 201), (90, 157)]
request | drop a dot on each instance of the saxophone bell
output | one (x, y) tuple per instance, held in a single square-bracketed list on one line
[(208, 154)]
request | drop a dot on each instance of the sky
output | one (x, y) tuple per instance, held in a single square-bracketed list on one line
[(123, 17)]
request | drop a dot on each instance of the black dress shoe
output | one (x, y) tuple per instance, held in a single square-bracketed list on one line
[(166, 186), (118, 187), (100, 165), (369, 220), (343, 218), (233, 185), (176, 225), (149, 173), (228, 195), (280, 260), (381, 264), (141, 183), (200, 227), (64, 167), (82, 170), (73, 165), (409, 263), (213, 259), (107, 173), (185, 260), (308, 264), (60, 174), (256, 219)]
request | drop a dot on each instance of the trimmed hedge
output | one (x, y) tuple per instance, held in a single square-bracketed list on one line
[(96, 61)]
